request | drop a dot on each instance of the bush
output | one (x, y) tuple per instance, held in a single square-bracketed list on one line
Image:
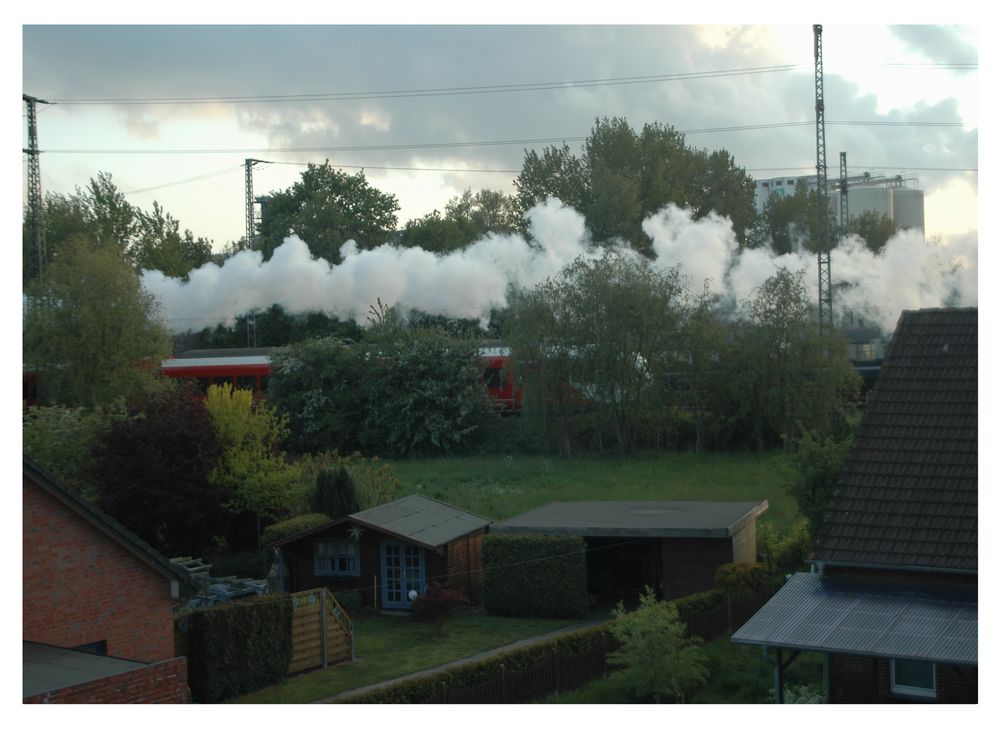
[(427, 689), (529, 575), (250, 564), (352, 601), (436, 605), (817, 464), (237, 647), (784, 553), (293, 526), (333, 494), (741, 579), (659, 661)]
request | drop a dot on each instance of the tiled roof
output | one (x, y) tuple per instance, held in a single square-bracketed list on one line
[(907, 496)]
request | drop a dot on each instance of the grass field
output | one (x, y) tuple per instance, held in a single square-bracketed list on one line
[(501, 487), (391, 646)]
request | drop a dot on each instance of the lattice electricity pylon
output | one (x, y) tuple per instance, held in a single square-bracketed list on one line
[(251, 229), (822, 232), (845, 219), (35, 212)]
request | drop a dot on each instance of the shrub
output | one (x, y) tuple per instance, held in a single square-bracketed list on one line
[(784, 553), (237, 647), (436, 605), (247, 564), (352, 601), (293, 526), (659, 661), (741, 579), (333, 494), (817, 464), (535, 575)]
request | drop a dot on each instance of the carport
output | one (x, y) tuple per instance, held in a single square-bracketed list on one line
[(674, 547)]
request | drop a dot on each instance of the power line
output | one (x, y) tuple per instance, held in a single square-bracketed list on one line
[(444, 91), (485, 143), (185, 181)]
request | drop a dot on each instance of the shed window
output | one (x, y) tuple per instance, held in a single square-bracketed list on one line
[(913, 678), (337, 557)]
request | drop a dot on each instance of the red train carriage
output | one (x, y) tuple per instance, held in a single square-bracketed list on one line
[(251, 369), (242, 368)]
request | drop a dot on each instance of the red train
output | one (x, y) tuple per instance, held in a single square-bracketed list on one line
[(250, 368)]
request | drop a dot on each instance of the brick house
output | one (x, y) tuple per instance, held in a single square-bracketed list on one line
[(388, 551), (97, 604), (892, 602)]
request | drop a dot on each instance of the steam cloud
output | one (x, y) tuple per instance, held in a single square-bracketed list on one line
[(910, 273)]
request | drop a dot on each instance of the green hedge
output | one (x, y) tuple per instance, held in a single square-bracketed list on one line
[(237, 647), (293, 526), (535, 575), (427, 689)]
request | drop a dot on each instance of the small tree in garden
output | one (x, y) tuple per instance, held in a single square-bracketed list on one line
[(436, 605), (334, 493), (659, 661)]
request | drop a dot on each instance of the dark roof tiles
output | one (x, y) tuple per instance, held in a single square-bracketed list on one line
[(908, 493)]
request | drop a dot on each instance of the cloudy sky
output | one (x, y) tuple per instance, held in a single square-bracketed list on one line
[(172, 111)]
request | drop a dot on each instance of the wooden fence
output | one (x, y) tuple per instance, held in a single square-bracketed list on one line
[(322, 632), (728, 616)]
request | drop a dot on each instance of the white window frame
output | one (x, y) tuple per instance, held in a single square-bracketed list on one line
[(909, 690), (327, 555)]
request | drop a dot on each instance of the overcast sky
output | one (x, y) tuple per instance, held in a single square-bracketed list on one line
[(428, 146)]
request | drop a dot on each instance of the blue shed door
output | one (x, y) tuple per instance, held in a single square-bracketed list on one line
[(402, 571)]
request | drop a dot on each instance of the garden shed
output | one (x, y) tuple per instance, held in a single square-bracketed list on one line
[(387, 551), (674, 547)]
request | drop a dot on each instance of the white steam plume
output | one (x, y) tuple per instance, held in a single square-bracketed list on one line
[(909, 274)]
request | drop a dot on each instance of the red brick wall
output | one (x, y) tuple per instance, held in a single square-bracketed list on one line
[(858, 680), (158, 683), (80, 586)]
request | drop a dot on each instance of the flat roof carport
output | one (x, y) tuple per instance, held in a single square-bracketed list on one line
[(49, 668), (635, 519)]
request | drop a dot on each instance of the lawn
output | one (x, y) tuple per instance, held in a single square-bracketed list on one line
[(392, 646), (501, 487)]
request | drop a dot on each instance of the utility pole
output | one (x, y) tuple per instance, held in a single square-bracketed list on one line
[(251, 236), (844, 211), (35, 213), (822, 210)]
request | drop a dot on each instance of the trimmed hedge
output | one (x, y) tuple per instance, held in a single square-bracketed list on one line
[(293, 526), (535, 575), (237, 647), (427, 689)]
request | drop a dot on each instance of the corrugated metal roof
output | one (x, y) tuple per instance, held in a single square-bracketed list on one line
[(639, 519), (421, 519), (854, 616)]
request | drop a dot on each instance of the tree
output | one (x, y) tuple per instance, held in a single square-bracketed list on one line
[(604, 330), (154, 467), (90, 330), (874, 228), (659, 660), (333, 494), (817, 463), (623, 177), (326, 208), (159, 245), (789, 223), (793, 378), (437, 234), (253, 471)]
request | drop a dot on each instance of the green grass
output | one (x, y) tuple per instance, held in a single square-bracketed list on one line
[(392, 646), (501, 487)]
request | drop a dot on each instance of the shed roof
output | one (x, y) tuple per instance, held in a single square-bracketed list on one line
[(869, 618), (907, 496), (421, 520), (49, 668), (635, 519)]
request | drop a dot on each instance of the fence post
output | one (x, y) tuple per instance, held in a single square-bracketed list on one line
[(555, 672), (503, 685), (323, 627), (444, 693), (729, 614)]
